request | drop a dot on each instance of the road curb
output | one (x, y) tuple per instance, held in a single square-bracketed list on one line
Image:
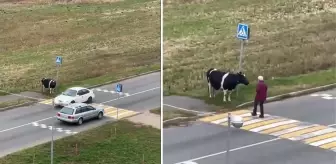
[(291, 94), (122, 79), (17, 106)]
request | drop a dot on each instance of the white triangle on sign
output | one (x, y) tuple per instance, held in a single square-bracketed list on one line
[(58, 60), (242, 32)]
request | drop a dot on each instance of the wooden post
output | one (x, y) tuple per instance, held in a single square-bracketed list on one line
[(76, 149)]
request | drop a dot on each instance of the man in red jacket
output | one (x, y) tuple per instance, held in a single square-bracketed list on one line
[(260, 98)]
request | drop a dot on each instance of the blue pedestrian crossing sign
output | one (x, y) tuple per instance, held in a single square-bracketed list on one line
[(243, 31), (119, 88), (58, 60)]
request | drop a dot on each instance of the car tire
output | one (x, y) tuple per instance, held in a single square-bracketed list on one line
[(80, 121), (89, 100), (100, 115), (72, 102)]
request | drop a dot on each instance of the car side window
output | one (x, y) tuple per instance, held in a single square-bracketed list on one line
[(89, 108), (85, 91), (80, 92), (79, 110)]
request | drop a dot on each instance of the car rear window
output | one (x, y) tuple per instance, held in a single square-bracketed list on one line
[(67, 110)]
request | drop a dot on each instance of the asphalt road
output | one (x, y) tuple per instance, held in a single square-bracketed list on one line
[(28, 126), (205, 143)]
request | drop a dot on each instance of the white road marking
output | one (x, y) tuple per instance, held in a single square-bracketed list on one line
[(329, 98), (240, 148), (131, 95), (232, 150), (258, 129), (318, 143), (43, 126), (325, 95), (35, 124), (309, 135), (24, 125), (16, 127), (291, 130)]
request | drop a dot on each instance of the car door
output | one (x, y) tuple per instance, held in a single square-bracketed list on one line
[(85, 113), (86, 94), (79, 113), (80, 96), (92, 112)]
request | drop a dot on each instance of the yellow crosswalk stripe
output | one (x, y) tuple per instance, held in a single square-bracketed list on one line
[(328, 145), (222, 115), (320, 137), (303, 131), (262, 123), (279, 128), (48, 102)]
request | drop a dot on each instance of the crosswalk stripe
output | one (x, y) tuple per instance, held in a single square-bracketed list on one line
[(320, 137), (303, 131), (49, 101), (252, 121), (225, 119), (262, 123), (285, 131), (273, 125), (328, 145), (278, 128), (318, 143), (244, 119), (313, 134), (114, 112), (223, 115)]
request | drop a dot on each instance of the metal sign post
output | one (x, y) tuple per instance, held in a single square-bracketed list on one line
[(243, 33), (59, 61), (118, 89)]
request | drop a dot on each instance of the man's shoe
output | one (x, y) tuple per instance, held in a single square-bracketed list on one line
[(253, 114), (261, 116)]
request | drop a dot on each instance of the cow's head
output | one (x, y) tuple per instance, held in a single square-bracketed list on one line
[(242, 78)]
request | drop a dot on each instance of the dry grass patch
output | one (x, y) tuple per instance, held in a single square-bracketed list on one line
[(98, 42), (288, 38)]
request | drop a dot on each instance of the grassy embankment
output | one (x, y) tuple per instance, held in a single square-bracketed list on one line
[(292, 45), (131, 144), (99, 42)]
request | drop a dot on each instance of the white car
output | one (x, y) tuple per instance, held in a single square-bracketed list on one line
[(74, 95)]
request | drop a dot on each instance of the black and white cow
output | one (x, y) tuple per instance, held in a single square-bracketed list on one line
[(226, 81), (48, 83)]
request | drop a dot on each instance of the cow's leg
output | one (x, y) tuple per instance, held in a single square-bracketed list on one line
[(229, 96), (224, 94), (209, 89)]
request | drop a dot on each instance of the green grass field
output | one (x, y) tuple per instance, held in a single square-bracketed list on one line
[(98, 40), (100, 145), (292, 44)]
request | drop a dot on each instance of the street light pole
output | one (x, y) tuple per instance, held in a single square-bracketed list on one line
[(228, 140)]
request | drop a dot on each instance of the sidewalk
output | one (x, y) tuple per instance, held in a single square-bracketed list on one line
[(147, 118)]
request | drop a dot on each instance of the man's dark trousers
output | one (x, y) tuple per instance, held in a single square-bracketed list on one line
[(261, 104)]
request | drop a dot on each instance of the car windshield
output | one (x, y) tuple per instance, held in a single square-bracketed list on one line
[(67, 110), (70, 92)]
